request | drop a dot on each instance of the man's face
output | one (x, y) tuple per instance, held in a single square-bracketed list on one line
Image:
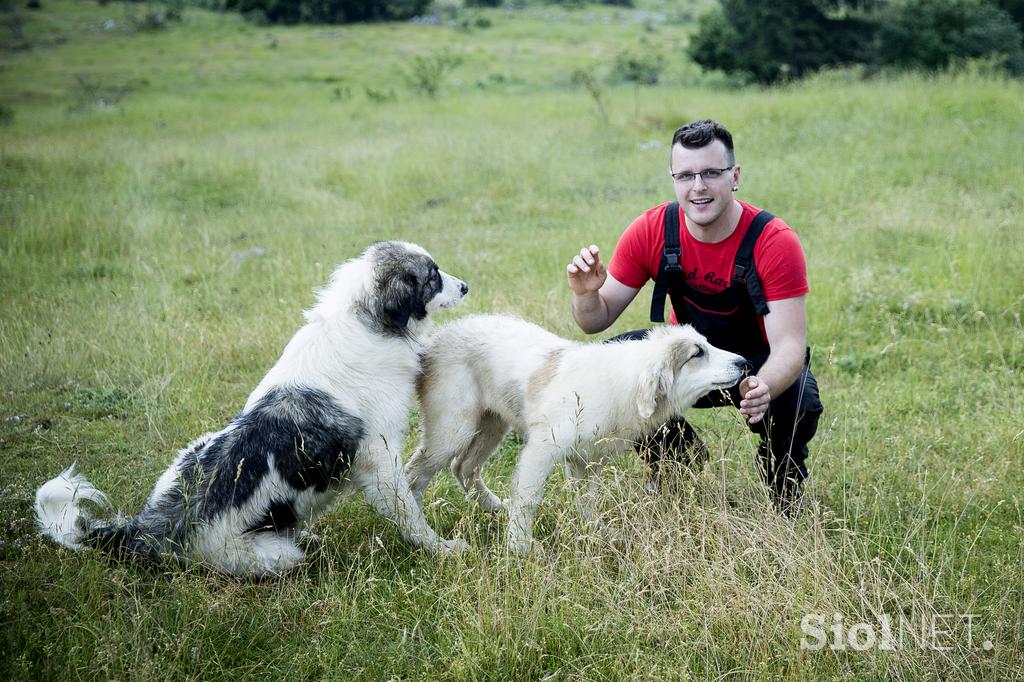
[(703, 200)]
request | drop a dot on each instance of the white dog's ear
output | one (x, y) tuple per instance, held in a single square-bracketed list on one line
[(656, 382)]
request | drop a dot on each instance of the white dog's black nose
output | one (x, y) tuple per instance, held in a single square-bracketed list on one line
[(463, 288)]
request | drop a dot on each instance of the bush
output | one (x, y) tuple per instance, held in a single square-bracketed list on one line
[(426, 74), (328, 11), (713, 45), (639, 68), (576, 4), (768, 41), (1015, 8), (931, 34)]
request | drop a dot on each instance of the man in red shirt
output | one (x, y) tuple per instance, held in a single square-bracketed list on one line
[(738, 275)]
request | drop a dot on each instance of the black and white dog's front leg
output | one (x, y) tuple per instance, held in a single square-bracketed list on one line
[(381, 477)]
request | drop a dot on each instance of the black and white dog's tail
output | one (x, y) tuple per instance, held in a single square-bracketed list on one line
[(61, 516)]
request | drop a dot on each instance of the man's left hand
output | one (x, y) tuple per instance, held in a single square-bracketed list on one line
[(756, 398)]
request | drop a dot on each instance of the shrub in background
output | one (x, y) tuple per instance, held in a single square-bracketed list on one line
[(582, 3), (931, 34), (642, 68), (425, 74), (713, 46), (768, 41), (1015, 8), (157, 16), (328, 11)]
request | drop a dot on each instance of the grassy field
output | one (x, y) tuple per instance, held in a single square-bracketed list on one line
[(170, 198)]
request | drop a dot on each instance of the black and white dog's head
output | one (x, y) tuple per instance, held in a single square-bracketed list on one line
[(407, 286), (390, 287)]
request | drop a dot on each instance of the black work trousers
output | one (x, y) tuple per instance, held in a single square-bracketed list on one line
[(785, 431)]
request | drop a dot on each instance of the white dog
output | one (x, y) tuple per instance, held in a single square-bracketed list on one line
[(330, 414), (574, 403)]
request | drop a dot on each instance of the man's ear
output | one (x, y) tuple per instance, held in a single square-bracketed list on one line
[(657, 380)]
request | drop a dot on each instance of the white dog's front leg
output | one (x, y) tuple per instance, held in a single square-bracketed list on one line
[(386, 488), (536, 462), (584, 473), (586, 499)]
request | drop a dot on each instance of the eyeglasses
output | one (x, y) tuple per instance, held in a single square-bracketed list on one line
[(706, 175)]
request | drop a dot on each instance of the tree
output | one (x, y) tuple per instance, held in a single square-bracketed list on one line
[(328, 11), (1015, 8), (930, 34), (771, 40)]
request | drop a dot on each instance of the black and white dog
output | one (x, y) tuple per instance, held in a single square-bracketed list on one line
[(330, 414)]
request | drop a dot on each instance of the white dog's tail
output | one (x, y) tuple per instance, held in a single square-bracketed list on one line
[(58, 508)]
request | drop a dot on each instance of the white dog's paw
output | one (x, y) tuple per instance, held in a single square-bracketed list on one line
[(499, 504), (453, 546), (525, 547)]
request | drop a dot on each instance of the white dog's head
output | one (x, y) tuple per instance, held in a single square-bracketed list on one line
[(684, 368), (392, 286)]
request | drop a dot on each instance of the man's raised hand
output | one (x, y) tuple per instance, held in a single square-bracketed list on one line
[(586, 272)]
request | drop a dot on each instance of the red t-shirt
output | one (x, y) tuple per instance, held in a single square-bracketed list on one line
[(778, 256)]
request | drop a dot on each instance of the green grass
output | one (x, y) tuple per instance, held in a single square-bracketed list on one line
[(169, 199)]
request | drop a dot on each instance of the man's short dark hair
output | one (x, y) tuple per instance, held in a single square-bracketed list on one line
[(698, 134)]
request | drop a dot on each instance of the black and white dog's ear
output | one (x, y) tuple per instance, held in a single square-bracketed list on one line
[(397, 302), (658, 378), (401, 300), (398, 315)]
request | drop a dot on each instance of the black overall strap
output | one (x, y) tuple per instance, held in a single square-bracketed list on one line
[(669, 262), (745, 270)]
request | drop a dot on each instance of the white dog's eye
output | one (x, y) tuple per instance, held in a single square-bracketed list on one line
[(698, 354)]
